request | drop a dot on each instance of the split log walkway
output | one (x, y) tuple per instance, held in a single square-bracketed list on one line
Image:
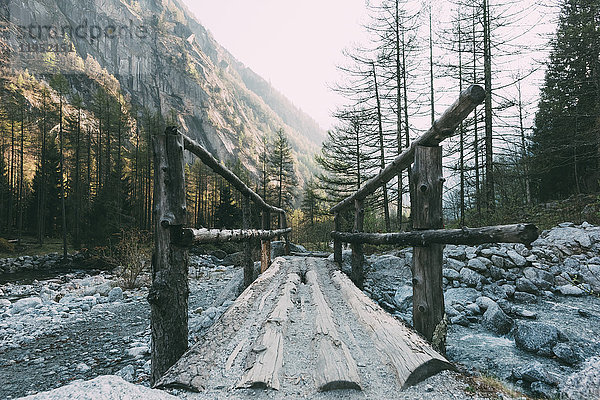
[(303, 327)]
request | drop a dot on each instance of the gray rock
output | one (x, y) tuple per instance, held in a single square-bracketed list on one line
[(477, 265), (115, 294), (494, 292), (82, 367), (525, 298), (570, 290), (387, 261), (516, 258), (450, 274), (495, 320), (498, 261), (496, 273), (403, 297), (470, 277), (460, 295), (233, 259), (590, 274), (455, 264), (457, 252), (25, 304), (567, 353), (525, 285), (127, 373), (278, 248), (509, 290), (473, 309), (485, 302), (106, 387), (460, 319), (584, 384), (543, 390), (534, 372), (535, 336)]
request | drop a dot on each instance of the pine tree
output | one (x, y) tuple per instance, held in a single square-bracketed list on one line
[(565, 138), (282, 169)]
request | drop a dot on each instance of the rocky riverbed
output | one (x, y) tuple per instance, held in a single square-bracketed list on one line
[(529, 316)]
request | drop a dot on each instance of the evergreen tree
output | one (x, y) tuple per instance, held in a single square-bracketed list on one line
[(282, 169), (565, 138), (227, 215)]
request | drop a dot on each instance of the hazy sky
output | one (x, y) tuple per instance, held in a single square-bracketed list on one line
[(293, 44), (296, 45)]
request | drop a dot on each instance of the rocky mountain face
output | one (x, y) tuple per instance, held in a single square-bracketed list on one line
[(163, 60)]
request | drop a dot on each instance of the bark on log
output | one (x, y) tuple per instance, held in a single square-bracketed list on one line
[(266, 357), (442, 129), (517, 233), (208, 159), (337, 244), (168, 295), (409, 354), (358, 256), (335, 368), (428, 292), (191, 236), (265, 245)]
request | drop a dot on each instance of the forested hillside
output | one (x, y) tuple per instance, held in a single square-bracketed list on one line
[(85, 86)]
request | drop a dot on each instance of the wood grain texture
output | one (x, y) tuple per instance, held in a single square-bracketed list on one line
[(266, 357), (412, 358), (335, 368), (517, 233)]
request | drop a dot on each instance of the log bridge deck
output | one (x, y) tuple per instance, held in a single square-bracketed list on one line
[(302, 328)]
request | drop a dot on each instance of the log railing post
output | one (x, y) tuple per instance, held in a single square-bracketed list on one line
[(283, 224), (248, 263), (337, 244), (168, 295), (358, 256), (265, 245), (428, 295)]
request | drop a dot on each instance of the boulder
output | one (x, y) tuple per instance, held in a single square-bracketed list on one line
[(569, 237), (460, 296), (567, 353), (534, 372), (25, 304), (470, 277), (403, 298), (106, 387), (485, 302), (590, 274), (450, 274), (584, 384), (495, 320), (516, 258), (527, 286), (536, 336), (233, 259), (454, 264), (544, 390), (477, 264), (497, 261), (570, 290), (115, 294), (525, 298)]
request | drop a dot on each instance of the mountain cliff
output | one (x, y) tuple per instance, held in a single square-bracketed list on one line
[(162, 59)]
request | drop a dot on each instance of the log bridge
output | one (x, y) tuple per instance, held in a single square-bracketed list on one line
[(424, 158), (303, 326)]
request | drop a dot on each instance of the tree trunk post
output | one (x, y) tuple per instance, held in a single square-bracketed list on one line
[(358, 256), (428, 295), (265, 245), (248, 263), (283, 225), (168, 295), (337, 244)]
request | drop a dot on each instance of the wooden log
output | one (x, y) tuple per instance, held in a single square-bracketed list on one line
[(358, 256), (335, 367), (168, 295), (190, 236), (337, 244), (266, 357), (316, 254), (412, 358), (208, 159), (283, 225), (428, 293), (248, 262), (265, 245), (517, 233), (442, 129)]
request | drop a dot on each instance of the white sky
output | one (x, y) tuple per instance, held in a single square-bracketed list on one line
[(293, 44), (296, 45)]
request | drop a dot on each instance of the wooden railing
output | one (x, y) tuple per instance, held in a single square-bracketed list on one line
[(425, 156), (168, 295)]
